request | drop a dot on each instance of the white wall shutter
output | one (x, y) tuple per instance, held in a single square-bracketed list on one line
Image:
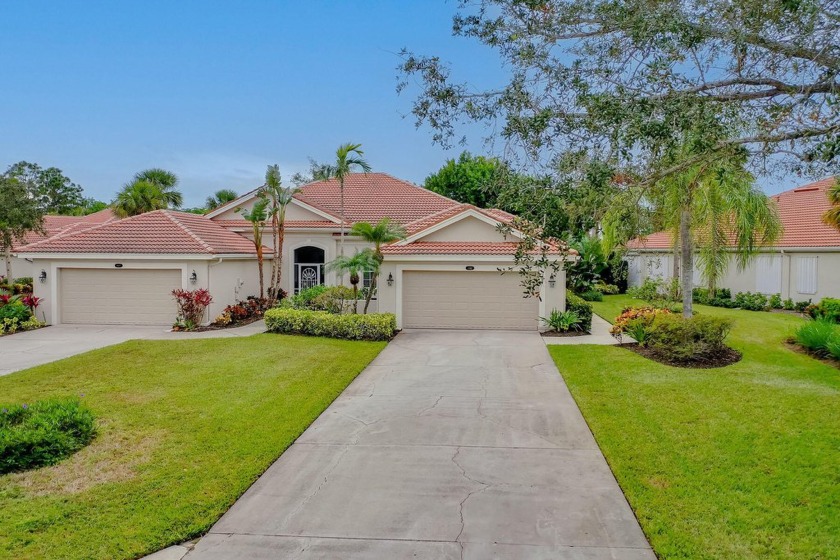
[(806, 275), (768, 274)]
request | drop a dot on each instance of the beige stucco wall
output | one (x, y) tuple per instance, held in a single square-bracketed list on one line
[(746, 279), (467, 229), (20, 268), (228, 281)]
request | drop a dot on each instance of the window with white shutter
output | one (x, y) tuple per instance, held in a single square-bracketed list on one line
[(806, 275), (768, 274)]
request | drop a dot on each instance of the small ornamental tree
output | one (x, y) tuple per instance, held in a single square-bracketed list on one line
[(19, 214), (536, 255), (191, 307)]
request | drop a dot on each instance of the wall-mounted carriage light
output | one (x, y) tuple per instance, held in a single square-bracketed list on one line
[(43, 276), (193, 277), (390, 279)]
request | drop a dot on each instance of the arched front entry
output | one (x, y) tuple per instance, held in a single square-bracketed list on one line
[(309, 267)]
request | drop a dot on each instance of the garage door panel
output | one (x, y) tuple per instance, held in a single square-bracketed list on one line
[(118, 296), (466, 300)]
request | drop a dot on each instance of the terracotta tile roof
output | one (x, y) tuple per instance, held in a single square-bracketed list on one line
[(161, 231), (800, 211), (373, 196), (290, 224), (454, 248), (53, 225)]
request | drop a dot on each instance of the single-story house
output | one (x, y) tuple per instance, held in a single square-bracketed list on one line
[(803, 264), (444, 274)]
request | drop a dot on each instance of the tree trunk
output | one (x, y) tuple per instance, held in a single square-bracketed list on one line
[(281, 234), (341, 212), (7, 256), (274, 287), (371, 290), (687, 257)]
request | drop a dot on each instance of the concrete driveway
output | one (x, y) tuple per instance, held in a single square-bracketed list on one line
[(451, 444), (33, 348)]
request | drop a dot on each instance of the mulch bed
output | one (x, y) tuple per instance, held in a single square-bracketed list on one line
[(800, 350), (222, 327), (564, 334), (728, 357)]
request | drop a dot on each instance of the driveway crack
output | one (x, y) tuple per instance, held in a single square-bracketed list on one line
[(470, 494)]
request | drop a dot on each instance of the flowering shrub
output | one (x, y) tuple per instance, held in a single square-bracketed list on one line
[(251, 308), (43, 434), (635, 321), (191, 306), (373, 326)]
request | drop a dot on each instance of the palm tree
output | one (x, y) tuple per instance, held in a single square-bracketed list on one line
[(138, 197), (166, 181), (279, 198), (257, 216), (385, 231), (708, 207), (363, 261), (348, 157), (832, 215), (220, 197)]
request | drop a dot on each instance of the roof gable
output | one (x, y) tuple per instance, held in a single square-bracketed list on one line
[(466, 220)]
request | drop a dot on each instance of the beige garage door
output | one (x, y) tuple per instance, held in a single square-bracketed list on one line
[(466, 300), (118, 296)]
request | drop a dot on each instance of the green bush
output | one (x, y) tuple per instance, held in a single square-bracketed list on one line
[(650, 290), (12, 325), (607, 289), (788, 305), (817, 335), (562, 321), (679, 339), (303, 299), (335, 299), (582, 309), (828, 308), (592, 295), (801, 306), (43, 434), (776, 301), (833, 346), (15, 311), (373, 326), (751, 301)]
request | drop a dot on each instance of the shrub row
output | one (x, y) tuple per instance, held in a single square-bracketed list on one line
[(828, 308), (373, 326), (43, 434), (581, 308)]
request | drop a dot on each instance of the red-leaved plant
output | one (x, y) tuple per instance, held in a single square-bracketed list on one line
[(31, 302), (191, 306)]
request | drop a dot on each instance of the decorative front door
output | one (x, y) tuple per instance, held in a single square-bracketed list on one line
[(309, 275)]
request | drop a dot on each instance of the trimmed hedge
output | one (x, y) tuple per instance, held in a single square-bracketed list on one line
[(374, 326), (43, 434), (582, 309)]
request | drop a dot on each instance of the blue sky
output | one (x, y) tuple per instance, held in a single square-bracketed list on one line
[(215, 91)]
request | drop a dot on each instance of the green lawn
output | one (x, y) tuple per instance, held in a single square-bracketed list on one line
[(185, 428), (741, 462)]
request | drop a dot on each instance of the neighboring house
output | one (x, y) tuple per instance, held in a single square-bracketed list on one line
[(445, 274), (53, 225), (803, 264)]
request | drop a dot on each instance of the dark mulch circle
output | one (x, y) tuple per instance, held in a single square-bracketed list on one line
[(726, 358), (564, 334)]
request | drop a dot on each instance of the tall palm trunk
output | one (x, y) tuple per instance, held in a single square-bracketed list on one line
[(7, 256), (341, 212), (687, 257)]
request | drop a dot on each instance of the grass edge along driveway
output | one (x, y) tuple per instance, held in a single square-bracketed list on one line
[(737, 462), (186, 427)]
